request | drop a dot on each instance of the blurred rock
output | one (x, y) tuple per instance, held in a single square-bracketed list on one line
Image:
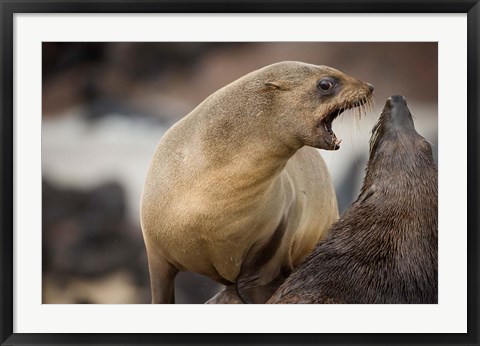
[(86, 237), (92, 255), (135, 75)]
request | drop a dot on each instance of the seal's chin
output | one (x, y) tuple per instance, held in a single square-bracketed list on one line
[(331, 142)]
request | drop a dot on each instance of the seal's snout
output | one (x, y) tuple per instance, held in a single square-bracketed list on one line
[(370, 87), (397, 99), (397, 112)]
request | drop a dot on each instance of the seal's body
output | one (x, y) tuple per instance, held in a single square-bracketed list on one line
[(232, 193), (384, 248)]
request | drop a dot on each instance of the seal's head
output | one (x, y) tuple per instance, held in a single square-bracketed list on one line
[(397, 152), (309, 98)]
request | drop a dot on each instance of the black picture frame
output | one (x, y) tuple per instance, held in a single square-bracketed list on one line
[(10, 7)]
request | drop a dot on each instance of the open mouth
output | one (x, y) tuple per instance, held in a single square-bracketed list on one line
[(359, 108)]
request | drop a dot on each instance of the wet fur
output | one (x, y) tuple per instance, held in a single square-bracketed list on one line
[(384, 248)]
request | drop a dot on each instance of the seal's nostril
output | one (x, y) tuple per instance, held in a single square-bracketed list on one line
[(370, 87)]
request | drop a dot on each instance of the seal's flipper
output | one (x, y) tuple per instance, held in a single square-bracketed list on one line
[(226, 296), (162, 276), (260, 294)]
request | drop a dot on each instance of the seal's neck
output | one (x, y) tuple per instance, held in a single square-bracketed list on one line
[(243, 144), (247, 163)]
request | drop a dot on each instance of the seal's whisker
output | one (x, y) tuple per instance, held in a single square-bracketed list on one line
[(358, 116), (372, 104)]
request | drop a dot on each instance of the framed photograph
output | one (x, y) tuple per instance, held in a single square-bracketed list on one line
[(103, 101)]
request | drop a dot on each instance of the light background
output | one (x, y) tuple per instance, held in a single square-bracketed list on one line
[(31, 316)]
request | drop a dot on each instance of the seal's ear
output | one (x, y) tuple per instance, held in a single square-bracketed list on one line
[(276, 85), (367, 193)]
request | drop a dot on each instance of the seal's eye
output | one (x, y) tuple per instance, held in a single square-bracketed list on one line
[(325, 85)]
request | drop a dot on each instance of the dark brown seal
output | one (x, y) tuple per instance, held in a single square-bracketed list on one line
[(384, 249)]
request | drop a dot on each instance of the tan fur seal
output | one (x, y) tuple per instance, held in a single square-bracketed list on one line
[(233, 193), (384, 248)]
